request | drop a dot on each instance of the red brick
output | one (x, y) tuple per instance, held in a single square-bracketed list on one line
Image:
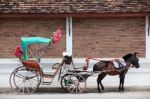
[(108, 37), (12, 29)]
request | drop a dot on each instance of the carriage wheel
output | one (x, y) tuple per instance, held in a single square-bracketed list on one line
[(76, 83), (11, 82), (35, 51), (63, 70), (24, 80), (64, 80)]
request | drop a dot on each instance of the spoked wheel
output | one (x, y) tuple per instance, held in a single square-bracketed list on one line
[(24, 80), (35, 51), (63, 70), (64, 81), (75, 83), (11, 81)]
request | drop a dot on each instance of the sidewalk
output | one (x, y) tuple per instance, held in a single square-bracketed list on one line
[(135, 77), (58, 60)]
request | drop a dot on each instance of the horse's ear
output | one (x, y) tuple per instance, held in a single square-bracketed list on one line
[(135, 53), (128, 56)]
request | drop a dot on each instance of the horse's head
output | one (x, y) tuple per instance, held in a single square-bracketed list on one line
[(132, 59)]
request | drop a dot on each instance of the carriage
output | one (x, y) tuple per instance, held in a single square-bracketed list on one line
[(30, 75)]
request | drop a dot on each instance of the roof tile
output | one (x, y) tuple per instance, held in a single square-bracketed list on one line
[(73, 6)]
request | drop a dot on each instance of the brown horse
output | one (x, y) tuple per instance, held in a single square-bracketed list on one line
[(108, 68)]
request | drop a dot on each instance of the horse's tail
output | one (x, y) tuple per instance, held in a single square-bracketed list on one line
[(99, 66), (95, 67)]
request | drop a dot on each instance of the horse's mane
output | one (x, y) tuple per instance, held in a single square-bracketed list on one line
[(128, 56)]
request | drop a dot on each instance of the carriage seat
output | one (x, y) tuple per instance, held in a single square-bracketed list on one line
[(34, 65), (31, 64), (119, 63)]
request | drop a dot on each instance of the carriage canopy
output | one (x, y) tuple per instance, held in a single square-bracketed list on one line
[(25, 41), (21, 51)]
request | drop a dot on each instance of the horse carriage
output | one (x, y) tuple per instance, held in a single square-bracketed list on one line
[(30, 75)]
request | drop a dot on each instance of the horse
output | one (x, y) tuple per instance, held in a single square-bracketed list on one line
[(106, 67)]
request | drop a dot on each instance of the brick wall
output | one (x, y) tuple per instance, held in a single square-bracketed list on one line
[(13, 28), (97, 37), (108, 37)]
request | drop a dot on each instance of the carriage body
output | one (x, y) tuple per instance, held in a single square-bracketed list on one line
[(28, 77), (73, 80)]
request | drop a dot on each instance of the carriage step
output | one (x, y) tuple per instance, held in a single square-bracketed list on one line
[(46, 83)]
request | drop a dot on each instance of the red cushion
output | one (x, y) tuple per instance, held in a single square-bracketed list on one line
[(18, 53)]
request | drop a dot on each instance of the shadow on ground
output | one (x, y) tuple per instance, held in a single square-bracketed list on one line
[(58, 90)]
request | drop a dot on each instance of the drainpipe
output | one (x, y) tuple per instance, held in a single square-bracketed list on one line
[(69, 35), (147, 31)]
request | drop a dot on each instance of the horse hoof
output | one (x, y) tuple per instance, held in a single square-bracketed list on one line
[(103, 88), (121, 89), (99, 90)]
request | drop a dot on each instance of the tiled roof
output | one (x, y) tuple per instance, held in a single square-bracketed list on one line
[(74, 6)]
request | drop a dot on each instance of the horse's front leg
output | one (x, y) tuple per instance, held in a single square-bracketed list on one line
[(121, 85)]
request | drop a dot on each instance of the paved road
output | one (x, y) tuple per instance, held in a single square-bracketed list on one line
[(137, 81), (106, 95)]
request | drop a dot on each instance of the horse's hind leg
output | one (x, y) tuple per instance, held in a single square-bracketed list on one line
[(99, 81), (98, 85)]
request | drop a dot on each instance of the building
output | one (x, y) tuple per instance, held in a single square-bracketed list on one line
[(97, 28)]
